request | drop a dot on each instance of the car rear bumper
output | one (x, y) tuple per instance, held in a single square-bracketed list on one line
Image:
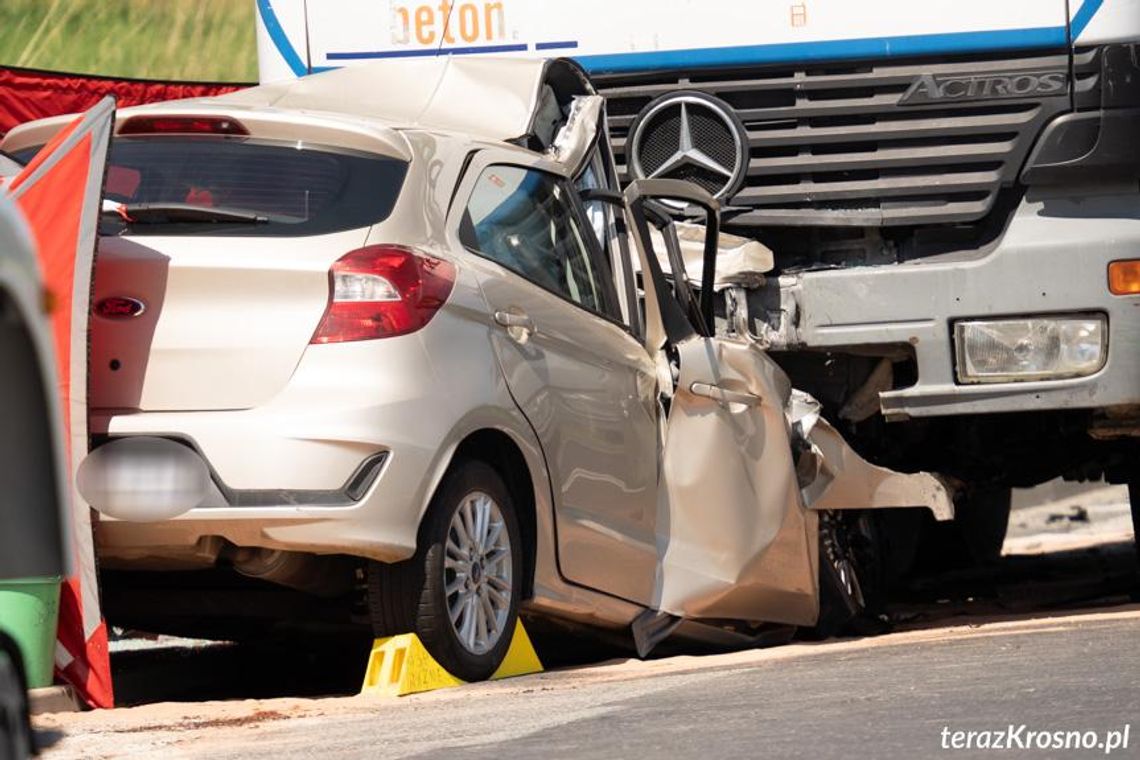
[(342, 461), (1052, 260), (381, 524), (371, 506)]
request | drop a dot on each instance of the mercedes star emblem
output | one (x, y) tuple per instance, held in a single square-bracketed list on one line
[(690, 136)]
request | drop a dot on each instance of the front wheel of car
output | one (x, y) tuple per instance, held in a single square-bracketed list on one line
[(851, 575), (460, 592)]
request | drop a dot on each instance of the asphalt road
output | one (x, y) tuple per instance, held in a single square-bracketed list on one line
[(887, 697), (1048, 642), (886, 702)]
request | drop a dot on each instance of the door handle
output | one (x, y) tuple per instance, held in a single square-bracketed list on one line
[(519, 326), (716, 393), (511, 319)]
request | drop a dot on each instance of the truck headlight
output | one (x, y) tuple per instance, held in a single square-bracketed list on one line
[(1037, 348)]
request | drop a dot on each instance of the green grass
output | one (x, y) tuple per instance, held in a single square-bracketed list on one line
[(206, 40)]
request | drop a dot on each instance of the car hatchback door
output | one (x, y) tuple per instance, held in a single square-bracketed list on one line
[(586, 385)]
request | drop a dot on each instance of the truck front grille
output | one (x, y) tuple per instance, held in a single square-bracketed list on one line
[(830, 144)]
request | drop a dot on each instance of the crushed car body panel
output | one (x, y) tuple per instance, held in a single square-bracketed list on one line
[(733, 538), (736, 533), (486, 98), (841, 479)]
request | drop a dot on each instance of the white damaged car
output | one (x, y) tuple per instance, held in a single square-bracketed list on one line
[(372, 346)]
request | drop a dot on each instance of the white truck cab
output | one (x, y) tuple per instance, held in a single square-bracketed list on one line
[(951, 190)]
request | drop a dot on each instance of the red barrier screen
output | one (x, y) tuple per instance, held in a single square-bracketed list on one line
[(27, 94)]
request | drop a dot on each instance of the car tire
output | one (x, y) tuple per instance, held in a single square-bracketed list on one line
[(459, 593), (15, 733), (852, 576)]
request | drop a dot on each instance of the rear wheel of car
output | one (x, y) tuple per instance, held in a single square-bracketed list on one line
[(460, 592)]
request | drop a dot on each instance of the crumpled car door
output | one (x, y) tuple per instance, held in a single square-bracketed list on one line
[(733, 538), (747, 460)]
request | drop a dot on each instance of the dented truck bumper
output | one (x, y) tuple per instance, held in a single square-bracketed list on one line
[(1051, 261)]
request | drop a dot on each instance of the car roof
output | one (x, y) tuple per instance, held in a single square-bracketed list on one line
[(486, 98), (480, 99)]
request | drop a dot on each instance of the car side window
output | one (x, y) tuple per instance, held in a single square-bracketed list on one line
[(527, 221), (596, 211)]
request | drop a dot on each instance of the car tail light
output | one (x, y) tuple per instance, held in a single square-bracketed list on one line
[(382, 291), (182, 125)]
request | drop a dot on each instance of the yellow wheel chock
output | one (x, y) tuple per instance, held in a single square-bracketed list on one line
[(401, 665)]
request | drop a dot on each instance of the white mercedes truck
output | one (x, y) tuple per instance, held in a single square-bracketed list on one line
[(950, 189)]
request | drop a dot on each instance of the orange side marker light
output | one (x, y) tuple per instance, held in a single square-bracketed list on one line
[(1124, 277)]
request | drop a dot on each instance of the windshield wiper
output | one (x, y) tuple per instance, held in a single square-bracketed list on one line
[(180, 213)]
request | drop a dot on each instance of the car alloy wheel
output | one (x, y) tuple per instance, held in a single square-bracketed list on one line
[(460, 593), (478, 573), (835, 542), (851, 575)]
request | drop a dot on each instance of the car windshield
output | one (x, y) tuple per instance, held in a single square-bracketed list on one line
[(296, 190)]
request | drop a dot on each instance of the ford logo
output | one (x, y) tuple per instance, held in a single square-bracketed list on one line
[(119, 307)]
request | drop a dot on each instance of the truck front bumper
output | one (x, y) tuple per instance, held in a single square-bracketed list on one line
[(1052, 260)]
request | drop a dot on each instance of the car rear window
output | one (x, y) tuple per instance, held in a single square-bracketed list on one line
[(307, 190)]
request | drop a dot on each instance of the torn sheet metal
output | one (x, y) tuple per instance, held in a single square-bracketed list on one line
[(577, 137), (737, 530), (747, 460), (847, 481), (488, 98), (734, 540), (739, 261), (841, 479)]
